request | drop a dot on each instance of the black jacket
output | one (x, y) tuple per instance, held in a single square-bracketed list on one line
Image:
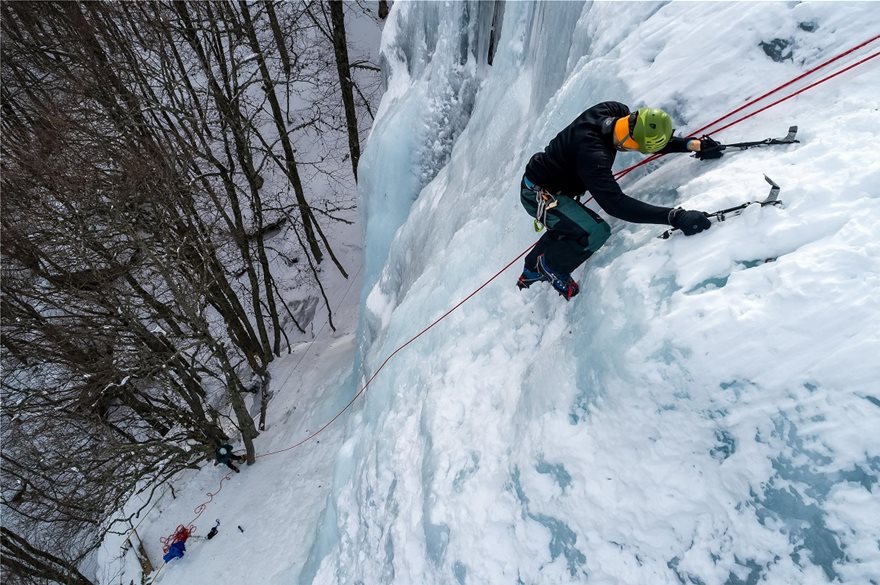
[(580, 158), (223, 453)]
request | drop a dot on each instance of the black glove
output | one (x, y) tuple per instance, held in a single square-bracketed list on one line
[(709, 148), (689, 222)]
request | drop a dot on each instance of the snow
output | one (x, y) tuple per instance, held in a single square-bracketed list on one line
[(695, 415)]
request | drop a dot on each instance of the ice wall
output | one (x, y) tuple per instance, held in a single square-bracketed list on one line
[(696, 415), (434, 56)]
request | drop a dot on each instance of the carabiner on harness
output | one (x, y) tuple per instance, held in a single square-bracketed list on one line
[(545, 202)]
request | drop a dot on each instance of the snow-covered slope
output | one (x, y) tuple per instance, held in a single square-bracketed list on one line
[(696, 415)]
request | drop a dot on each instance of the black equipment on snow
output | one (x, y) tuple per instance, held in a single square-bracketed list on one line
[(723, 214), (214, 530)]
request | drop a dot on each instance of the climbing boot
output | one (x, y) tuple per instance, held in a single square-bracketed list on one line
[(564, 284), (528, 278)]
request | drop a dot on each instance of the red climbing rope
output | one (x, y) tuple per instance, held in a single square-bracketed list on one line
[(784, 85), (181, 533), (800, 91), (620, 174), (201, 507), (395, 352)]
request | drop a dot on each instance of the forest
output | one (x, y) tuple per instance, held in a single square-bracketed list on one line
[(172, 173)]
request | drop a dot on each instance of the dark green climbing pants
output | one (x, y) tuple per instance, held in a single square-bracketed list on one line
[(573, 233)]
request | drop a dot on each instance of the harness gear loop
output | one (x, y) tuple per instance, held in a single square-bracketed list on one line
[(545, 202)]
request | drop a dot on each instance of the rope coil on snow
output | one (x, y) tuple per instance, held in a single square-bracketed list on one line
[(180, 533)]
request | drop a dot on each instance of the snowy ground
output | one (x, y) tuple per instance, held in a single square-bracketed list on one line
[(277, 502), (696, 415)]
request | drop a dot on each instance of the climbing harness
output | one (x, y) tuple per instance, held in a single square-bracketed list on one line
[(544, 200)]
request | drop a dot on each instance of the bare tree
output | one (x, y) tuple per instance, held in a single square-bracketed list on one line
[(340, 50), (151, 154), (27, 561)]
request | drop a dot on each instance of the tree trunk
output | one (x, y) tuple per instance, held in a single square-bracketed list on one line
[(340, 48), (27, 561), (291, 168), (244, 420)]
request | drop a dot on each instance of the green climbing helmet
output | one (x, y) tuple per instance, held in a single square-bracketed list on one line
[(653, 130)]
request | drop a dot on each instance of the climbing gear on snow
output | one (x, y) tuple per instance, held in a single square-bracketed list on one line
[(214, 529), (564, 284), (652, 130), (787, 139), (181, 534), (717, 150), (723, 214)]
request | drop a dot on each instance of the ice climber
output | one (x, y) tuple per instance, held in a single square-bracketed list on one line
[(578, 160)]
